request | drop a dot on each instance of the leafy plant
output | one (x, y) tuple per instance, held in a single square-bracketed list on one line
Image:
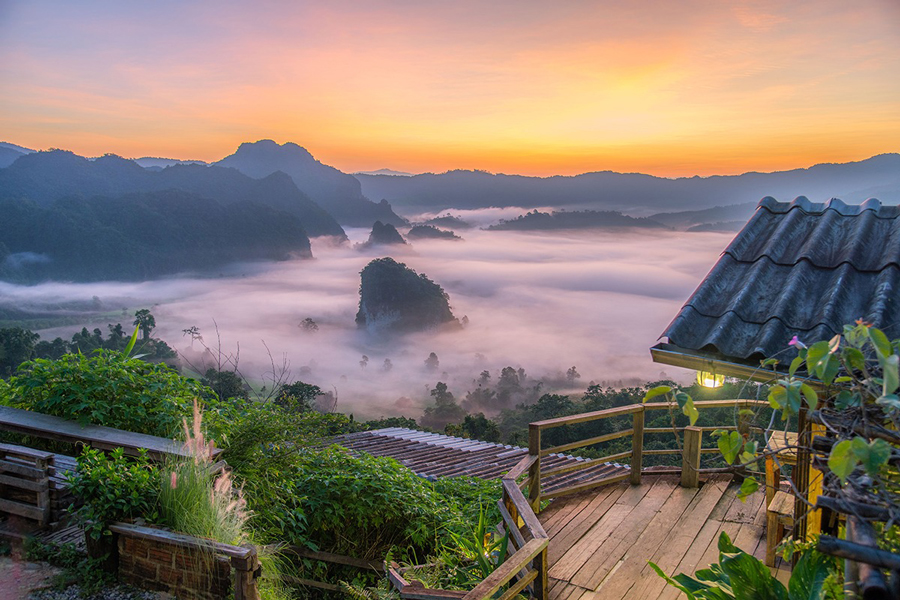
[(741, 576), (483, 548), (107, 388), (76, 567), (113, 488)]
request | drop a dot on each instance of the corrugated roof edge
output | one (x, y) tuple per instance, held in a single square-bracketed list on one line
[(835, 204)]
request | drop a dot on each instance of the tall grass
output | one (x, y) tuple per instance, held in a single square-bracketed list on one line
[(198, 501)]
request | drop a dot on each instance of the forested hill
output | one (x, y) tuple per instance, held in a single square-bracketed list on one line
[(582, 219), (338, 193), (139, 236), (45, 177)]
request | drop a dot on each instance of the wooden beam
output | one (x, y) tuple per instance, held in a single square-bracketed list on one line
[(590, 441), (637, 447), (690, 461), (534, 472), (590, 416), (507, 570)]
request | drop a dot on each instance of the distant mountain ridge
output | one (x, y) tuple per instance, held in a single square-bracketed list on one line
[(338, 193), (45, 177), (634, 193)]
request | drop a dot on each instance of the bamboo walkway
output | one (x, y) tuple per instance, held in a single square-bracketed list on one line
[(600, 541)]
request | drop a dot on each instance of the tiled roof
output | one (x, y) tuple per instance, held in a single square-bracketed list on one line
[(432, 455), (797, 268)]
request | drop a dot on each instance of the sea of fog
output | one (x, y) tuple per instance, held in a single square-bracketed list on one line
[(544, 302)]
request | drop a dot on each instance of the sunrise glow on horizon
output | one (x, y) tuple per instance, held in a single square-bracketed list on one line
[(525, 87)]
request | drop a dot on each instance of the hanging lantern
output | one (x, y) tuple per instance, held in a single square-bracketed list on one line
[(709, 379)]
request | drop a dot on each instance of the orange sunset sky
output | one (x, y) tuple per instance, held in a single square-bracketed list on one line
[(659, 86)]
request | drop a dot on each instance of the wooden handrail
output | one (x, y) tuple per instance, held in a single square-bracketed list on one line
[(509, 569)]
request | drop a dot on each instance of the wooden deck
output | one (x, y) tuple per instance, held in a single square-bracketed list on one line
[(600, 541)]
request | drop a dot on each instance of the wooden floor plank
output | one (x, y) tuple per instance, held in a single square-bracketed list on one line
[(630, 566), (566, 564), (617, 545), (677, 542), (691, 562), (574, 506), (746, 511), (574, 530)]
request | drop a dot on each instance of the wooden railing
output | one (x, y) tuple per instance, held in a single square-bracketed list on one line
[(525, 570), (690, 451)]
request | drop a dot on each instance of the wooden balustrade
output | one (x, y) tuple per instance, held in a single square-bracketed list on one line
[(691, 460)]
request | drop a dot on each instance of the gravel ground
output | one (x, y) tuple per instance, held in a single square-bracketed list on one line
[(110, 593)]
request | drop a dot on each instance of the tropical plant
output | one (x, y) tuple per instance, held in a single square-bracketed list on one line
[(740, 576)]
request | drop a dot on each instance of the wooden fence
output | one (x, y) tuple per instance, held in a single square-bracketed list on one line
[(690, 451)]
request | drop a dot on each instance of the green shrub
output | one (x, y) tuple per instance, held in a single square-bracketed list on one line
[(106, 388), (113, 488)]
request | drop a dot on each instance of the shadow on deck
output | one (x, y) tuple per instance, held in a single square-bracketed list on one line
[(600, 541)]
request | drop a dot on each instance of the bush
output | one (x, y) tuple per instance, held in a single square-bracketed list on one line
[(113, 488), (106, 388), (364, 506)]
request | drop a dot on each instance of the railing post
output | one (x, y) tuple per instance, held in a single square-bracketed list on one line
[(534, 473), (637, 446), (690, 458), (541, 584)]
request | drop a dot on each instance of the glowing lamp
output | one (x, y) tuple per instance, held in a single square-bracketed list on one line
[(709, 379)]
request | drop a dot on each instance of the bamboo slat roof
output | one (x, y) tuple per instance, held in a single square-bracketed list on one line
[(432, 455)]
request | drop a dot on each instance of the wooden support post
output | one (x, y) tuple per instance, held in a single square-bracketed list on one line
[(246, 574), (534, 473), (541, 583), (637, 447), (690, 459), (800, 475)]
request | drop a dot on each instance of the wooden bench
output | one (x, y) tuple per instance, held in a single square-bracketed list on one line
[(97, 436), (33, 484)]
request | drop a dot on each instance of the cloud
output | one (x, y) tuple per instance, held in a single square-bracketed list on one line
[(596, 300)]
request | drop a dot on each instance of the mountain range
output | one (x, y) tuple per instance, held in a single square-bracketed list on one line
[(634, 193)]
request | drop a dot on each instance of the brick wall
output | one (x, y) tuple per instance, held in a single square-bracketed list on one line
[(186, 573)]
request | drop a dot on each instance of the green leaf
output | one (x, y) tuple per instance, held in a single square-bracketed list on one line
[(890, 402), (812, 399), (777, 397), (130, 346), (855, 359), (842, 460), (872, 455), (845, 400), (795, 364), (657, 391), (880, 341), (750, 579), (769, 362), (807, 580), (748, 487), (891, 374), (730, 445), (686, 403), (814, 356)]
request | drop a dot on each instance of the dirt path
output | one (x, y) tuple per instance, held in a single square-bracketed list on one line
[(19, 578)]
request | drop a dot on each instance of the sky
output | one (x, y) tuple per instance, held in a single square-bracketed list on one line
[(514, 86)]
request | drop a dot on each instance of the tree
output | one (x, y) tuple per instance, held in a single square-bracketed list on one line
[(298, 396), (387, 366), (572, 375), (445, 409), (309, 325), (432, 363), (194, 332), (16, 346), (145, 321), (226, 384), (364, 362)]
